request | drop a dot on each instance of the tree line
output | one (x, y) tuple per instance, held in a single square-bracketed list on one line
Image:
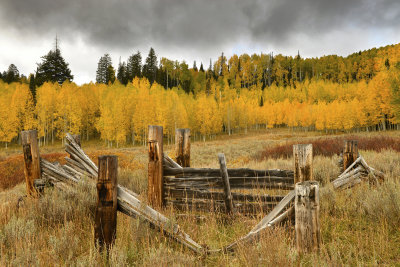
[(119, 114), (231, 95)]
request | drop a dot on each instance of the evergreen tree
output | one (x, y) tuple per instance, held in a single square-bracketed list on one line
[(12, 74), (32, 86), (194, 66), (201, 67), (53, 68), (122, 73), (150, 68), (134, 66), (105, 72), (110, 74)]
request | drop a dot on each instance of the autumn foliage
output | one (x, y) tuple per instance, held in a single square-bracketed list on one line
[(120, 114)]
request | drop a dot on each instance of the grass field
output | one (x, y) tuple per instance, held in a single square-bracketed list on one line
[(359, 226)]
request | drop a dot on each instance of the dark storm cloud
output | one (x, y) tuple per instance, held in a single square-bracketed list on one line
[(277, 21), (200, 24)]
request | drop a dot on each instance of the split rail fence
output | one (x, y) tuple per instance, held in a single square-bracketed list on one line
[(175, 184)]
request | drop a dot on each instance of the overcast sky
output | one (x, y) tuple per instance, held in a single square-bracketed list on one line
[(189, 30)]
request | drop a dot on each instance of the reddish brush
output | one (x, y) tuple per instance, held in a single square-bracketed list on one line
[(334, 145), (12, 168)]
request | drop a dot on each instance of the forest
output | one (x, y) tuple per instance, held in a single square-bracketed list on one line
[(330, 93)]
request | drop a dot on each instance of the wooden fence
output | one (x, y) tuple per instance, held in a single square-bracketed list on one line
[(171, 184), (250, 191)]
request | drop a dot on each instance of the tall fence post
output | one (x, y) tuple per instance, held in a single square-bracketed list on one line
[(182, 147), (303, 158), (31, 160), (155, 167), (308, 234), (105, 227), (350, 153), (225, 182)]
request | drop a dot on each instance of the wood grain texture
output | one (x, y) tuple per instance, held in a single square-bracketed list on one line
[(350, 153), (308, 233), (182, 147), (31, 160), (155, 166), (303, 161), (105, 227), (225, 182)]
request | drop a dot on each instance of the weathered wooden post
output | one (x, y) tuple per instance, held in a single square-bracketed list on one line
[(308, 234), (350, 153), (303, 158), (225, 181), (105, 227), (182, 147), (31, 160), (155, 167)]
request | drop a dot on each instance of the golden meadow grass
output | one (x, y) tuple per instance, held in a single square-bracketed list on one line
[(358, 226)]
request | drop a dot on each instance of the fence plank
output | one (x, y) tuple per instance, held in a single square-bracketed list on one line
[(31, 160), (240, 172), (202, 194)]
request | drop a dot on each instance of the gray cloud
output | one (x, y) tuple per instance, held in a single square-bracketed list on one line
[(202, 28), (124, 23)]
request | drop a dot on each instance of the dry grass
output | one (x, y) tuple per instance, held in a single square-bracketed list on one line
[(359, 226)]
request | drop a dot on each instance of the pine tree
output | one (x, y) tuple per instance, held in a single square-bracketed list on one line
[(150, 68), (53, 68), (134, 66), (12, 74), (110, 74), (122, 73), (32, 86), (194, 66), (105, 72), (201, 67)]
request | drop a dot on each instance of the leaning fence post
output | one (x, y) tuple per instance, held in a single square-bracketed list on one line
[(182, 147), (155, 167), (350, 153), (225, 182), (31, 160), (308, 234), (105, 227), (303, 158)]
